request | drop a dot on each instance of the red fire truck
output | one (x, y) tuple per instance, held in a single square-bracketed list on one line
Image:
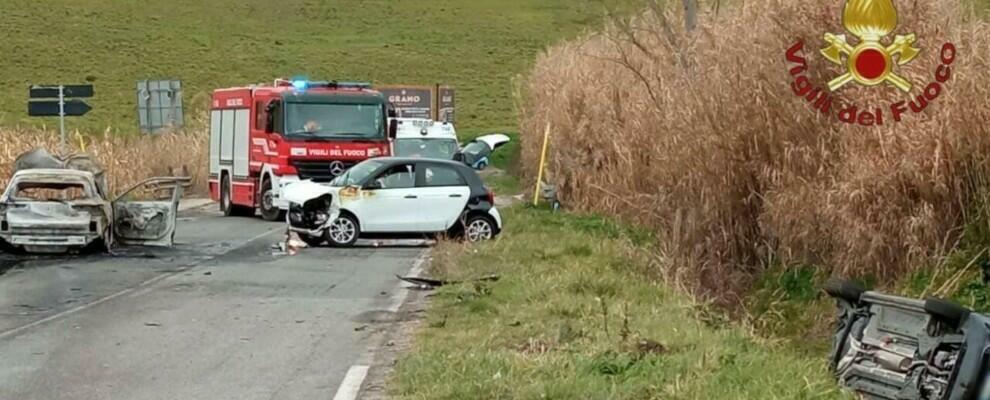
[(264, 137)]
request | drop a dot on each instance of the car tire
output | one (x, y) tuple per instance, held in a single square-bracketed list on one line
[(269, 212), (8, 248), (227, 206), (343, 231), (950, 313), (843, 289), (478, 228)]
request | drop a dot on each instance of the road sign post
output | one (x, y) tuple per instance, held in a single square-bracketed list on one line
[(51, 101), (61, 119)]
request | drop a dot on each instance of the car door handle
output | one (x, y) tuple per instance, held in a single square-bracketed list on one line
[(411, 196), (455, 195)]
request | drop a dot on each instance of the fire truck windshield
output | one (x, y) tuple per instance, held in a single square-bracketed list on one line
[(334, 121)]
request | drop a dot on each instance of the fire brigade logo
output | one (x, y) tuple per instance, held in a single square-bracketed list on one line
[(870, 63), (337, 168)]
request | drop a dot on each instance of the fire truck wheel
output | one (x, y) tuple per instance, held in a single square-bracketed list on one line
[(269, 212), (227, 206)]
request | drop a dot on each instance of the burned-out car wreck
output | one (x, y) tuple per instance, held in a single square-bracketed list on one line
[(54, 205), (895, 348)]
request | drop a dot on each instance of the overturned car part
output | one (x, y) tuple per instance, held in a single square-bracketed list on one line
[(895, 348)]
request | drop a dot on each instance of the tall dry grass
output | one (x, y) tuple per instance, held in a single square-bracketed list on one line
[(700, 137), (127, 159)]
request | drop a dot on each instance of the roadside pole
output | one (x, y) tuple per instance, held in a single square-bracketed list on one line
[(539, 174), (61, 118)]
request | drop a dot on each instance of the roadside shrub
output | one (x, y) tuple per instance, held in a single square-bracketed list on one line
[(699, 136)]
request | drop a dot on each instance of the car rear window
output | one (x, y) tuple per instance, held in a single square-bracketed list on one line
[(442, 175), (38, 191)]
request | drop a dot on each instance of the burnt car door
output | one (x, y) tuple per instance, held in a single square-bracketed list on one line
[(146, 213)]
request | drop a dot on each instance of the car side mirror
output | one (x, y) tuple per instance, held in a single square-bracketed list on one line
[(393, 128), (269, 123), (270, 116)]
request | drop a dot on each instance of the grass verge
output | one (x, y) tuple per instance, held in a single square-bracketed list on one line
[(577, 314)]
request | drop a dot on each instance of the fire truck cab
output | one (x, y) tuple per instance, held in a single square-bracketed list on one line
[(265, 137)]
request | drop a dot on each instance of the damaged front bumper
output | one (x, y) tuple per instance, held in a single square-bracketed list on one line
[(313, 232)]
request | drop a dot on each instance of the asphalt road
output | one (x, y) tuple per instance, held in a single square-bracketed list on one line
[(217, 317)]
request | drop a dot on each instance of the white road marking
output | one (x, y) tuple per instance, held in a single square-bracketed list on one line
[(350, 387), (399, 298), (147, 283)]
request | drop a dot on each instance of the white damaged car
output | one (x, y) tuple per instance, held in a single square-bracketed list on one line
[(394, 197)]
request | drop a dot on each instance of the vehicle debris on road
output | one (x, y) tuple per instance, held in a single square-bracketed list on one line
[(57, 205), (429, 283)]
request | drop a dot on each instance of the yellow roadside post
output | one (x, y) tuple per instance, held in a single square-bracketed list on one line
[(82, 141), (539, 174)]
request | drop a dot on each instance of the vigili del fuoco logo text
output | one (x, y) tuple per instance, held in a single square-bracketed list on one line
[(871, 59)]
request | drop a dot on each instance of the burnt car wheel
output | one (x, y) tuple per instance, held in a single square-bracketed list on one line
[(269, 211), (343, 231), (479, 228)]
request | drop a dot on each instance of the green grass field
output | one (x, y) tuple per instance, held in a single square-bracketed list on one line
[(577, 315), (479, 46)]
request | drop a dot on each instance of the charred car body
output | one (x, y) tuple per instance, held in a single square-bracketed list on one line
[(896, 348), (56, 205)]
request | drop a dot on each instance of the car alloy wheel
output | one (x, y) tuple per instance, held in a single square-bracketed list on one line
[(342, 231), (479, 229)]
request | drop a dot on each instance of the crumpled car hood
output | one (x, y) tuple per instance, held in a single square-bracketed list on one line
[(303, 191), (47, 215)]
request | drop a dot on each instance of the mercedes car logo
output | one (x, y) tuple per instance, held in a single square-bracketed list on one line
[(337, 168)]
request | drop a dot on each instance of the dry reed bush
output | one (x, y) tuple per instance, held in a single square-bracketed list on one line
[(700, 136), (127, 159)]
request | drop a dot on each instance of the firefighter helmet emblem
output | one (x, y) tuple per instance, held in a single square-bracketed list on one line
[(870, 63), (337, 168)]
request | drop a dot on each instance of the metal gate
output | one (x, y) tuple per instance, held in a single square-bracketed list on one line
[(159, 105)]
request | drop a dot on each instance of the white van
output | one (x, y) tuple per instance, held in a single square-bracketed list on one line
[(425, 138)]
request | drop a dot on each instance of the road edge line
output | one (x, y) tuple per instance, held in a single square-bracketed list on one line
[(350, 387)]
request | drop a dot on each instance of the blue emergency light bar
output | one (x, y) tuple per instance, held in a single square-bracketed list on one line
[(302, 84)]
